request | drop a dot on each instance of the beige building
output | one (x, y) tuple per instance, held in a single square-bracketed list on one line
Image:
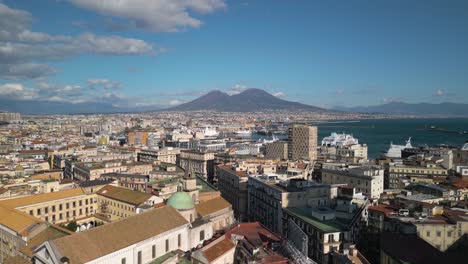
[(276, 150), (55, 207), (353, 151), (267, 196), (167, 155), (88, 171), (399, 175), (302, 142), (232, 183), (16, 229), (116, 203), (368, 180), (443, 231), (199, 163)]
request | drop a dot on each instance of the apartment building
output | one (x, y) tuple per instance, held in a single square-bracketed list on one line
[(166, 155), (399, 175), (197, 162), (56, 207), (276, 150), (232, 183), (366, 179), (302, 142), (267, 196), (116, 203)]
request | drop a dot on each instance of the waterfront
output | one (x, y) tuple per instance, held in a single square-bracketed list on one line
[(378, 133)]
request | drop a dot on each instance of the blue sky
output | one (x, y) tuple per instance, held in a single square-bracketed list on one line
[(164, 52)]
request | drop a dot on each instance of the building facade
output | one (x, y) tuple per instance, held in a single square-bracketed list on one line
[(302, 142)]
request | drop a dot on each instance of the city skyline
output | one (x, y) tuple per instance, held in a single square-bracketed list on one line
[(317, 53)]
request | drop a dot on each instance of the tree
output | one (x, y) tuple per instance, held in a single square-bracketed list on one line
[(72, 226)]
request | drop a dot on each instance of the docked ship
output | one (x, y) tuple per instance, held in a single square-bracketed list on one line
[(395, 150), (243, 133), (209, 132), (339, 140)]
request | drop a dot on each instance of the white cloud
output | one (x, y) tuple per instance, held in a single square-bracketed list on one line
[(279, 94), (21, 50), (392, 100), (105, 83), (154, 15), (17, 91), (237, 88)]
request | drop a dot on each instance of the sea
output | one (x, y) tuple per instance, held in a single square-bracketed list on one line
[(379, 133)]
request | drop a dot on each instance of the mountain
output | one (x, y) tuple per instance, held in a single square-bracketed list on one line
[(250, 100), (46, 107), (420, 109)]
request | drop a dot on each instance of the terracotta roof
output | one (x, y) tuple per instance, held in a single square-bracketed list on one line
[(211, 206), (18, 221), (41, 198), (100, 241), (383, 208), (16, 260), (50, 233), (124, 195), (3, 190), (218, 249)]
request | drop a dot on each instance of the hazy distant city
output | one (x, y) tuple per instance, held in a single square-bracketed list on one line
[(233, 132)]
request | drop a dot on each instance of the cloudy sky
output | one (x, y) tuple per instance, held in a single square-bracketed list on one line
[(164, 52)]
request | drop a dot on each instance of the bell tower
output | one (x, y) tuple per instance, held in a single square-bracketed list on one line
[(189, 182)]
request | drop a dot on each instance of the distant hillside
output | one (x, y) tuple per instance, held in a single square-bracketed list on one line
[(250, 100), (422, 109)]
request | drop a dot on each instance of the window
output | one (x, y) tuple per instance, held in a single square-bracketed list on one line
[(46, 210), (439, 233), (60, 216), (39, 211), (153, 251), (60, 207), (46, 219), (449, 233), (428, 233), (67, 205), (167, 245), (53, 208), (31, 212), (74, 204), (124, 261), (80, 203), (202, 235), (139, 257), (179, 240)]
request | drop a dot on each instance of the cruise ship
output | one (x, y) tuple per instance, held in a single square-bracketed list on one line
[(209, 132), (339, 140), (243, 133), (395, 150)]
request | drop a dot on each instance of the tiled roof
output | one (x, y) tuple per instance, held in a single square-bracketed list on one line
[(100, 241), (218, 249), (41, 198), (50, 233), (211, 206), (18, 221), (124, 195)]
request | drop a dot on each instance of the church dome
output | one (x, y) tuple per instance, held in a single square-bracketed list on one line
[(181, 201)]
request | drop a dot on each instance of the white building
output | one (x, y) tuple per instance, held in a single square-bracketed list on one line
[(366, 179)]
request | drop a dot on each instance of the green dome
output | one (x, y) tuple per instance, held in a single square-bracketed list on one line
[(181, 201)]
